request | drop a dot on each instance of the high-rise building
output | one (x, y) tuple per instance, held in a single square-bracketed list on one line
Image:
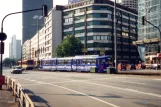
[(28, 23), (91, 21), (133, 4), (15, 48), (151, 9)]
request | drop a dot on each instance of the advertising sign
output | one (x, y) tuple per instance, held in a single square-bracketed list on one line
[(141, 50)]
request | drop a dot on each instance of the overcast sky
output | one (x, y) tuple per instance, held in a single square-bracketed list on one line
[(13, 23)]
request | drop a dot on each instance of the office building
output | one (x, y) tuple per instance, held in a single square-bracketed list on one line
[(28, 23), (44, 43), (15, 48), (91, 21), (148, 34), (133, 4)]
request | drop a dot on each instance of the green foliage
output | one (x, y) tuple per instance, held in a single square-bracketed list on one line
[(59, 52), (9, 62), (70, 46)]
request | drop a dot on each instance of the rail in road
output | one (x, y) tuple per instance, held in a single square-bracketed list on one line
[(69, 89)]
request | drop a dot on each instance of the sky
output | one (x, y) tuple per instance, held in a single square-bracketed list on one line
[(13, 24)]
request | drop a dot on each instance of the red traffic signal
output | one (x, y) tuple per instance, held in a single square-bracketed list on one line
[(44, 10)]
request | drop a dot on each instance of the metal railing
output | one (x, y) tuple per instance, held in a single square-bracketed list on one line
[(18, 93)]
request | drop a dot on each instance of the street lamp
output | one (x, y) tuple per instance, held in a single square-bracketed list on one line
[(115, 36), (37, 18)]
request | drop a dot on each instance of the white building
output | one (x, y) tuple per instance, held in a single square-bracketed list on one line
[(26, 50), (53, 32), (15, 48), (49, 37)]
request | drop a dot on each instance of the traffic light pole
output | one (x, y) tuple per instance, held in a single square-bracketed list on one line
[(3, 36), (156, 28)]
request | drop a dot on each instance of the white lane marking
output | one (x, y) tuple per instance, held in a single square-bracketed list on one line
[(126, 89), (77, 92), (134, 82), (33, 84)]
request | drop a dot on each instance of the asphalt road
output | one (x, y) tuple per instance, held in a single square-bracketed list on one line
[(68, 89)]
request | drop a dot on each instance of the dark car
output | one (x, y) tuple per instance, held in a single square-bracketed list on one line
[(133, 67)]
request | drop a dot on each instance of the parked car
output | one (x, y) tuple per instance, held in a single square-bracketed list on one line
[(133, 67), (154, 66), (123, 66), (16, 70)]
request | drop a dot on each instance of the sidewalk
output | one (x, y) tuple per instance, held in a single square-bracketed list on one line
[(141, 72), (6, 98)]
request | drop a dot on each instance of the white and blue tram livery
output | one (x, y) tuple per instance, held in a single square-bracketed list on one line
[(48, 64), (77, 63), (64, 64)]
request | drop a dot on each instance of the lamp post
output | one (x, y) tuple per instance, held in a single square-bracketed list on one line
[(115, 36), (3, 36), (37, 18)]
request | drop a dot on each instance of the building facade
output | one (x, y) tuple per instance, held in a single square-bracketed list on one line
[(44, 42), (28, 23), (133, 4), (151, 9), (15, 48), (26, 50), (91, 21)]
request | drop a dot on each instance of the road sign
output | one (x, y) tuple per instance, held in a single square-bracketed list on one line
[(102, 51), (84, 50)]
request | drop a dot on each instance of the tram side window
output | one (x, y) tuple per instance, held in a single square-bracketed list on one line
[(60, 61), (91, 61), (68, 62), (53, 62), (83, 61), (102, 61), (74, 62)]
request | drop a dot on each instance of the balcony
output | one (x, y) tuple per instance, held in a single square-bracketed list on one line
[(68, 23), (80, 21), (99, 11), (67, 16), (68, 30), (99, 26), (102, 19), (79, 14)]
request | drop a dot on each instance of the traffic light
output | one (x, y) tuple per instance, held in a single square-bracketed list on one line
[(44, 10), (1, 47), (143, 20)]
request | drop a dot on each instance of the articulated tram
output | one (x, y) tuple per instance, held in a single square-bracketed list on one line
[(77, 63)]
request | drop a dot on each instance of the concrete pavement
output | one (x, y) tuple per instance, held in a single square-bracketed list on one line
[(6, 98), (69, 89)]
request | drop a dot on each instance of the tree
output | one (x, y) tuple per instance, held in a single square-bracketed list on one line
[(7, 62), (70, 46), (59, 51)]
